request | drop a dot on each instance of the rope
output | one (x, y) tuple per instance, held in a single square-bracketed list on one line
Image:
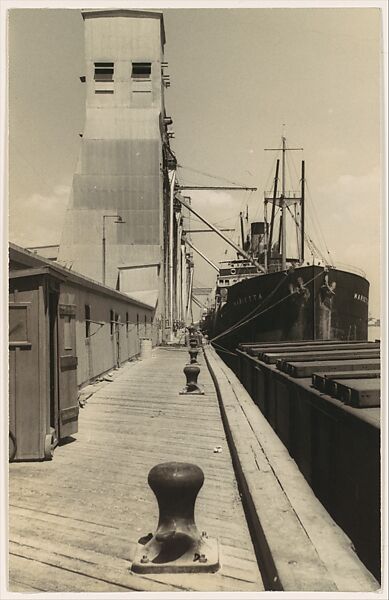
[(256, 308), (209, 175), (222, 349), (315, 221), (239, 324), (270, 178), (312, 203), (311, 244)]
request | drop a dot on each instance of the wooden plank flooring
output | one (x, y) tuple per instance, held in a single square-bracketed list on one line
[(75, 521)]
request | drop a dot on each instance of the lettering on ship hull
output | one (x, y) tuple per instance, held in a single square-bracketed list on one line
[(361, 298)]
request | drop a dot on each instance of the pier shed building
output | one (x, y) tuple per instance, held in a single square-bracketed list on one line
[(65, 330)]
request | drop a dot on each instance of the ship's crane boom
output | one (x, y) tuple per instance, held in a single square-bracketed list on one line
[(225, 238), (201, 254), (207, 230), (217, 187)]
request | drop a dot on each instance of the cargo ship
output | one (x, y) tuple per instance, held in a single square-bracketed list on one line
[(275, 294)]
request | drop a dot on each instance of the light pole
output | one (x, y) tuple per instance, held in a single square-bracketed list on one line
[(118, 220)]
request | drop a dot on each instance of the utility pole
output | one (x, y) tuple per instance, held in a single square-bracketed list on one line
[(171, 243), (118, 220), (189, 299)]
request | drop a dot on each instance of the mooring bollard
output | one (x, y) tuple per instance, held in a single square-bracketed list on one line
[(191, 373), (177, 545), (193, 352), (193, 342)]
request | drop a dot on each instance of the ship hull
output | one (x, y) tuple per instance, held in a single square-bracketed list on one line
[(308, 303)]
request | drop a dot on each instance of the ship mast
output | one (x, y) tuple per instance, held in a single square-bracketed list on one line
[(302, 209), (241, 229), (283, 207), (283, 201)]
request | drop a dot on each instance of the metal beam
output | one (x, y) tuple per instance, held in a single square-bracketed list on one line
[(202, 291), (226, 239), (172, 178), (189, 299), (216, 187), (197, 301), (206, 230), (201, 254)]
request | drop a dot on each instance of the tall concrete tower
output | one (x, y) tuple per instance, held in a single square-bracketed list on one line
[(114, 229)]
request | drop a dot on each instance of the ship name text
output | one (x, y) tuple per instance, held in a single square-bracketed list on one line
[(361, 297)]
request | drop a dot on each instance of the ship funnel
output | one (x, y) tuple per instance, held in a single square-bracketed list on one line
[(257, 235)]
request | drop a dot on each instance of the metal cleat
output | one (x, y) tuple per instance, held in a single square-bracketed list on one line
[(177, 546)]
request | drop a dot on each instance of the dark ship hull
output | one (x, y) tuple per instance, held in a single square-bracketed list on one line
[(307, 303)]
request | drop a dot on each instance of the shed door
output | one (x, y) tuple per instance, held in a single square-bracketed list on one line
[(26, 396), (117, 340), (67, 371)]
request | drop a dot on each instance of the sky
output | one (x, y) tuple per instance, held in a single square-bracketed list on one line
[(239, 79)]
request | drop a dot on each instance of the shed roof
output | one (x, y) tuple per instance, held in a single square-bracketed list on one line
[(31, 259)]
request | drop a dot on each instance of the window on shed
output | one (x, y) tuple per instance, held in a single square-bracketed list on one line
[(127, 323), (87, 320), (19, 319), (112, 320), (104, 71), (141, 70), (137, 323), (145, 325)]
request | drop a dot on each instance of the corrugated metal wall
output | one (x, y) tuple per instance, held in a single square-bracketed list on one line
[(119, 169)]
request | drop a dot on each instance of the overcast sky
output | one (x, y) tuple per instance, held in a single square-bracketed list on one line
[(237, 76)]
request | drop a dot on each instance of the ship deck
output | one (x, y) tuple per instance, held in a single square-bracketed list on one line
[(75, 521)]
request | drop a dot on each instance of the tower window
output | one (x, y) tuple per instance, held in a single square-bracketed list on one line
[(141, 70), (104, 71)]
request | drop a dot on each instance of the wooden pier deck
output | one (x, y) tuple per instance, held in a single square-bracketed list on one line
[(75, 521)]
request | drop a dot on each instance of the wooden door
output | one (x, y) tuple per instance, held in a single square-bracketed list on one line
[(26, 392), (117, 340), (67, 371)]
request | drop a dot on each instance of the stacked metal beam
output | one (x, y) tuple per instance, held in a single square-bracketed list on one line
[(348, 371)]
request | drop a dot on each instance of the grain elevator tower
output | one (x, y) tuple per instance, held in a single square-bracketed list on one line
[(114, 229)]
